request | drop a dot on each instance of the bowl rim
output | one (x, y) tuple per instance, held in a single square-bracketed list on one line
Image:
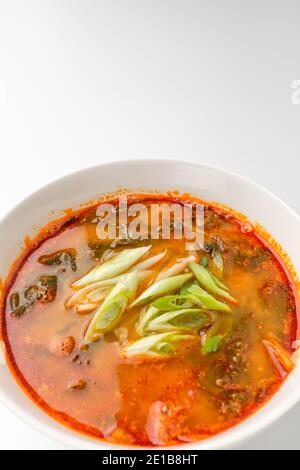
[(131, 161), (240, 432)]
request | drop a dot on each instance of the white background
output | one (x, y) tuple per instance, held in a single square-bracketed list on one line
[(83, 82)]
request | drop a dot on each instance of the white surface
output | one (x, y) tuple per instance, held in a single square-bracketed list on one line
[(82, 82)]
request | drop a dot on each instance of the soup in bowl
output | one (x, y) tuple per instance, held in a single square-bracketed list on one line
[(153, 318)]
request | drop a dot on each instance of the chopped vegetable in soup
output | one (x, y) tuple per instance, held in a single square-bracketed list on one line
[(143, 341)]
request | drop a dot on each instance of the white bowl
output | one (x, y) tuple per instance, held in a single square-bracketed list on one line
[(210, 184)]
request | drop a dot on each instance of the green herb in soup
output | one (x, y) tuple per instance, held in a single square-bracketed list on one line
[(145, 341)]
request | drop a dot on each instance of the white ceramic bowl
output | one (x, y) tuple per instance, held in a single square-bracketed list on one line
[(210, 184)]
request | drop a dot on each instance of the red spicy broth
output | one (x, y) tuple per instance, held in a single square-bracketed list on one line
[(219, 354)]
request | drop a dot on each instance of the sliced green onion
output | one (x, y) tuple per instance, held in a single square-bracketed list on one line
[(114, 266), (86, 308), (218, 261), (147, 314), (163, 287), (216, 334), (113, 307), (209, 282), (208, 301), (98, 294), (212, 344), (185, 290), (185, 319), (149, 262), (131, 280), (175, 269), (79, 295), (171, 303), (162, 344), (219, 283)]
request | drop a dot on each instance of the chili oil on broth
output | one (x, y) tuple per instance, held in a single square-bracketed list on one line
[(168, 400)]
